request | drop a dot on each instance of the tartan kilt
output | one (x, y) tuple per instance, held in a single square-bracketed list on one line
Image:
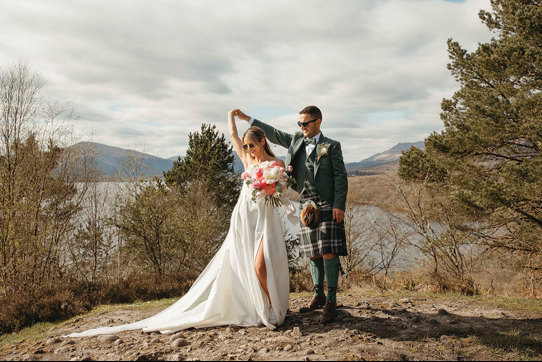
[(328, 237)]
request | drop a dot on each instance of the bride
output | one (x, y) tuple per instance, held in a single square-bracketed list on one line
[(247, 281)]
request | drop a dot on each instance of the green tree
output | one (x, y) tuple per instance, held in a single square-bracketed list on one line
[(167, 232), (209, 160), (488, 157)]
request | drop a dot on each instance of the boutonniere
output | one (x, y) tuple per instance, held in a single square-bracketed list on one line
[(323, 149)]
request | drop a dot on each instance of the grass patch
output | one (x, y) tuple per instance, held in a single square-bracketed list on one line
[(30, 334), (42, 330), (514, 304), (139, 305), (527, 345)]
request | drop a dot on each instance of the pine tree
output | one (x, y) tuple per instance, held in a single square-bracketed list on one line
[(209, 160), (488, 158)]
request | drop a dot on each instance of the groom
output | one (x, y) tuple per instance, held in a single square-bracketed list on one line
[(321, 177)]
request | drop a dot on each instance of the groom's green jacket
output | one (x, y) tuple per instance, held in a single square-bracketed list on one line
[(330, 177)]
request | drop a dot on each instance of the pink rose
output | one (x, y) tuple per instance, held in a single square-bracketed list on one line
[(259, 172), (274, 163), (290, 168), (245, 175), (256, 185)]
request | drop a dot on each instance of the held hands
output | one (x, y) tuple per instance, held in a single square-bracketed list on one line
[(338, 215), (237, 112)]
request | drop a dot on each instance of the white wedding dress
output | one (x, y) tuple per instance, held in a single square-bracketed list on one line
[(228, 291)]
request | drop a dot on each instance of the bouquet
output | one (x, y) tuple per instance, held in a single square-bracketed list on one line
[(268, 181)]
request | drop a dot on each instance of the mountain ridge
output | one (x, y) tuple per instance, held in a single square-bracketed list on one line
[(110, 159), (388, 157)]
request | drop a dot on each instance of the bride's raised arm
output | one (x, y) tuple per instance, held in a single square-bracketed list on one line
[(235, 139)]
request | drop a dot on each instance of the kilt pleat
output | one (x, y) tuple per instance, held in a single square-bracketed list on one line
[(328, 237)]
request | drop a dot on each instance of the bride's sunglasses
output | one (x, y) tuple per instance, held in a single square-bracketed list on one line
[(247, 146), (305, 124)]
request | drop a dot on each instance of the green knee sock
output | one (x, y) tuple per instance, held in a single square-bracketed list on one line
[(331, 267), (317, 272)]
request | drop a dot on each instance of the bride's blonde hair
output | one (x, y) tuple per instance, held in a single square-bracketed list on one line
[(255, 135)]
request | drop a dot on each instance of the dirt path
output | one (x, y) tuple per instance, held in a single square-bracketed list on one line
[(368, 328)]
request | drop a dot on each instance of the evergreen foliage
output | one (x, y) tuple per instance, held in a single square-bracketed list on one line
[(488, 158), (209, 160)]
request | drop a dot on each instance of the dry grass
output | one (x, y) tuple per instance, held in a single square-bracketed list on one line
[(375, 190), (39, 330)]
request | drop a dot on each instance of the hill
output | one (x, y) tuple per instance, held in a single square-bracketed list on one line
[(110, 159), (376, 163)]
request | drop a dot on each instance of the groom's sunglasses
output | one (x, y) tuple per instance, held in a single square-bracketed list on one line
[(247, 146), (305, 124)]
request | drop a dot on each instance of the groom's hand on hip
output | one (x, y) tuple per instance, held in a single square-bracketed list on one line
[(338, 215)]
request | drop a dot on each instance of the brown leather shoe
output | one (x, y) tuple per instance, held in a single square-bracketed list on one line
[(330, 312), (315, 303)]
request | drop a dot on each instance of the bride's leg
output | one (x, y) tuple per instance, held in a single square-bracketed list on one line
[(261, 270)]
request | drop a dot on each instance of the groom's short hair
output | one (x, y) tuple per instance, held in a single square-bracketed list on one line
[(313, 111)]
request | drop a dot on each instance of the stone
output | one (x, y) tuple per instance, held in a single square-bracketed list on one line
[(264, 350), (180, 342), (308, 352), (442, 312), (67, 343), (108, 338), (296, 333), (61, 350), (39, 351), (118, 342), (51, 341), (155, 340), (176, 336), (288, 347), (405, 301)]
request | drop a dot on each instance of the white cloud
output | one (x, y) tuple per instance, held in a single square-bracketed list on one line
[(148, 73)]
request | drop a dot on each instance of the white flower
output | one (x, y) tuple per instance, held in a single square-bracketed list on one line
[(323, 149), (272, 174)]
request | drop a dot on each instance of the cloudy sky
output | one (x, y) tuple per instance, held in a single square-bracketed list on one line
[(143, 74)]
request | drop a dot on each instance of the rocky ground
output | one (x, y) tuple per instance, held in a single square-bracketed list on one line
[(369, 327)]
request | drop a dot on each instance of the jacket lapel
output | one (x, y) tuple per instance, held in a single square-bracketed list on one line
[(297, 147), (317, 163)]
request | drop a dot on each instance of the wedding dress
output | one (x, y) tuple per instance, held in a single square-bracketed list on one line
[(228, 291)]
